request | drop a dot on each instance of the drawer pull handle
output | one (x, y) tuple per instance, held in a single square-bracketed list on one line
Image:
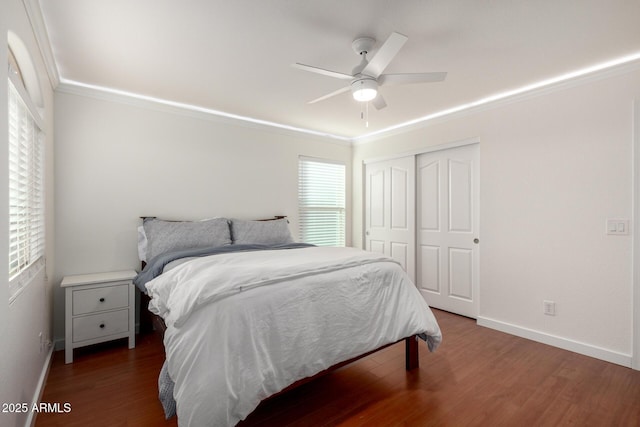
[(101, 325), (101, 299)]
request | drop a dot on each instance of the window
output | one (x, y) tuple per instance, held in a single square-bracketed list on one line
[(26, 186), (321, 201), (14, 68)]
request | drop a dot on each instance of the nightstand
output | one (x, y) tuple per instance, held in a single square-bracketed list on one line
[(98, 307)]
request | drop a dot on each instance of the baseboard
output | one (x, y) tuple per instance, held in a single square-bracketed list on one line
[(555, 341), (58, 344), (42, 381)]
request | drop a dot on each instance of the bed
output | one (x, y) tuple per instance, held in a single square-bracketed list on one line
[(249, 313)]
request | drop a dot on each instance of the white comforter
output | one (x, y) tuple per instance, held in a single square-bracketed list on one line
[(243, 326)]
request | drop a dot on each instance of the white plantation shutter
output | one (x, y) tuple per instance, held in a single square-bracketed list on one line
[(321, 202), (26, 189)]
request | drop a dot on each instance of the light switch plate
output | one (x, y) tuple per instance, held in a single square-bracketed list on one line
[(618, 226)]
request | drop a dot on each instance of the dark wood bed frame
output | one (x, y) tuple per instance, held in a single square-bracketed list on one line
[(150, 322)]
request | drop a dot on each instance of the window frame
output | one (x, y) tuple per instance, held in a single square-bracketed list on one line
[(32, 260), (335, 210)]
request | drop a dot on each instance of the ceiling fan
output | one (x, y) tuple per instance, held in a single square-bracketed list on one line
[(367, 76)]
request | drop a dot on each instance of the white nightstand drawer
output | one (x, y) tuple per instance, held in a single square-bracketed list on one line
[(100, 299), (99, 307), (100, 325)]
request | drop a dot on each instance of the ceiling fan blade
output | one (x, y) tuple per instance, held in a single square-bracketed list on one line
[(329, 95), (398, 79), (379, 102), (385, 54), (322, 71)]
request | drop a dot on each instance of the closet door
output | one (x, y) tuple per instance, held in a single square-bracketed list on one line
[(390, 210), (447, 222)]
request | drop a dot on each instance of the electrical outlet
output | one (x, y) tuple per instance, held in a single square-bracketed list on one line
[(549, 308)]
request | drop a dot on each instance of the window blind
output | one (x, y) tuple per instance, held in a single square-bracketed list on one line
[(26, 191), (321, 202)]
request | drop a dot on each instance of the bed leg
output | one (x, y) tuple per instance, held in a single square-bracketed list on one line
[(411, 349)]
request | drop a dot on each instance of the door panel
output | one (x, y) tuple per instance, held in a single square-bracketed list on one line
[(460, 195), (390, 210), (447, 204), (430, 185), (399, 198), (400, 252), (376, 198), (460, 266), (376, 246), (430, 271)]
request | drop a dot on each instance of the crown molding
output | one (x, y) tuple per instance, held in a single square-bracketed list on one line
[(589, 74), (163, 105), (555, 84), (34, 13), (580, 77)]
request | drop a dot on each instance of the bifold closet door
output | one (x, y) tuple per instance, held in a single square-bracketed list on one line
[(447, 222), (390, 210)]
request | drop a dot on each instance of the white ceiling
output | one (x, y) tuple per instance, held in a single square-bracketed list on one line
[(235, 56)]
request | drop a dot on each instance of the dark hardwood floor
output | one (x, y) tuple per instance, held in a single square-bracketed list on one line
[(478, 377)]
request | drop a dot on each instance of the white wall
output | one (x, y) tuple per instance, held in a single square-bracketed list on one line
[(553, 168), (118, 159), (22, 363)]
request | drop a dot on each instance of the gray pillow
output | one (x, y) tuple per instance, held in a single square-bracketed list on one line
[(165, 236), (261, 232)]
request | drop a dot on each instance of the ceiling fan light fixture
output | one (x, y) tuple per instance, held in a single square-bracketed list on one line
[(364, 90)]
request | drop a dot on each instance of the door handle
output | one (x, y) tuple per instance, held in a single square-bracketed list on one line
[(476, 240)]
